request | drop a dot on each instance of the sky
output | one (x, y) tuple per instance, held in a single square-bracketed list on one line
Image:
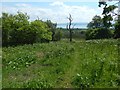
[(55, 10)]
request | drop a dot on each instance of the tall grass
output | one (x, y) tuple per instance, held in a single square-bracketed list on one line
[(80, 64)]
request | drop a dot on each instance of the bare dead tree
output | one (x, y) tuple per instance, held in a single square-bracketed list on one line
[(69, 26)]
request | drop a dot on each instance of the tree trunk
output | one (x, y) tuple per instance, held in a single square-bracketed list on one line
[(69, 28)]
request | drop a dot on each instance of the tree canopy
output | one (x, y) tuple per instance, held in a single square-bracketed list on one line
[(96, 22), (17, 29)]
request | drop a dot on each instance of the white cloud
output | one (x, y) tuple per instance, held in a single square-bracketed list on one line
[(57, 12), (57, 3), (22, 5), (49, 0), (79, 13)]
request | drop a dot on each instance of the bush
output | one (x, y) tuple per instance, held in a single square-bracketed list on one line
[(23, 35), (16, 29), (117, 30), (98, 33), (42, 31), (6, 26), (58, 35)]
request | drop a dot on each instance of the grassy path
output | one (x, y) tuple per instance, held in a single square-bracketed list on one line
[(72, 71)]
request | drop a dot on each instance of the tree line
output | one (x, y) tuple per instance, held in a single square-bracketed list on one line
[(18, 29)]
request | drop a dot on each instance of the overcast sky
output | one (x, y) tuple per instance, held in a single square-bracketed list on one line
[(57, 11)]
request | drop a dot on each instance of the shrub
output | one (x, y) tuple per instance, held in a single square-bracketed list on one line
[(23, 35), (16, 29), (58, 35), (42, 31), (98, 33), (117, 30)]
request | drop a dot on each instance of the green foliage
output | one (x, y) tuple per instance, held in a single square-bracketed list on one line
[(98, 28), (107, 21), (7, 20), (98, 33), (81, 82), (23, 35), (108, 9), (18, 30), (19, 60), (42, 31), (56, 34), (77, 33), (102, 3), (37, 84), (95, 23), (117, 28), (80, 64), (107, 16)]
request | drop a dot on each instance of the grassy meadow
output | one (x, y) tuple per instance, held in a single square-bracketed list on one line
[(79, 64), (0, 67)]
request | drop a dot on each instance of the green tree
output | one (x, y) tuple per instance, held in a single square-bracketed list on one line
[(56, 33), (20, 29), (52, 28), (117, 29), (98, 33), (23, 35), (95, 23), (7, 26), (42, 31), (107, 16), (17, 29), (103, 30), (98, 28)]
